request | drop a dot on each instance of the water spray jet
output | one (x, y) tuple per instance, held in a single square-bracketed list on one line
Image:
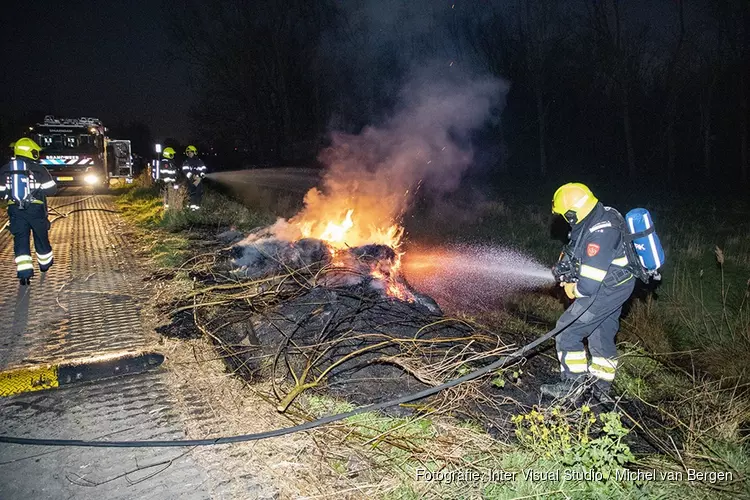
[(473, 276)]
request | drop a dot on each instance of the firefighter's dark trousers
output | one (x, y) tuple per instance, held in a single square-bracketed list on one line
[(32, 219), (195, 194), (598, 326)]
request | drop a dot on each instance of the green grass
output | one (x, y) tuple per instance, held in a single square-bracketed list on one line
[(447, 459), (166, 232)]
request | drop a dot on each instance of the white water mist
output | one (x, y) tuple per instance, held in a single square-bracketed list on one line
[(473, 276)]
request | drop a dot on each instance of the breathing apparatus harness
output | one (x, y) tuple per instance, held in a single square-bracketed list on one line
[(568, 265), (32, 188)]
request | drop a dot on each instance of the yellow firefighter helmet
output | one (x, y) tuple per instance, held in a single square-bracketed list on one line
[(574, 201), (168, 153), (27, 148), (191, 149)]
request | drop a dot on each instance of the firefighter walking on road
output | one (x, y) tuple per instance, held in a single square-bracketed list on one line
[(25, 184), (600, 283), (194, 171), (166, 174)]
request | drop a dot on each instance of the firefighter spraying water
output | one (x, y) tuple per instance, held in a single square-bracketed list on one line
[(597, 270)]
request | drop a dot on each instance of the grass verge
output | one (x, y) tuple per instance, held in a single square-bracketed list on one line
[(435, 456), (168, 236)]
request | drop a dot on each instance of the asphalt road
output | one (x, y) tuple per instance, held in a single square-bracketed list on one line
[(89, 303)]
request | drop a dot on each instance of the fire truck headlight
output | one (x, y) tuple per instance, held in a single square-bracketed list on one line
[(91, 179)]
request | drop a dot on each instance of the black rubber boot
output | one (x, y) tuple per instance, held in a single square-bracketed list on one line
[(601, 391), (568, 389), (24, 281)]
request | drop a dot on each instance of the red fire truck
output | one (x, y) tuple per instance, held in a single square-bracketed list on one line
[(77, 151)]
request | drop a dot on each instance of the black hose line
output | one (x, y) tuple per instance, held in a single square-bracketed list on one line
[(63, 215), (81, 200), (301, 427)]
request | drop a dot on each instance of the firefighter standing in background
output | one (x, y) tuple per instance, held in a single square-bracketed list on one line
[(167, 174), (25, 184), (600, 286), (194, 171)]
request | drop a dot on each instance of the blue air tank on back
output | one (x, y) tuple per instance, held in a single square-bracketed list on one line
[(647, 246)]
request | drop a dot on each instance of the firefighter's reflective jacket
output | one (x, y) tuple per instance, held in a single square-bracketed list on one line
[(599, 248), (193, 167), (24, 181), (167, 172)]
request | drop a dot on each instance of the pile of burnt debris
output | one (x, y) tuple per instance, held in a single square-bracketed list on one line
[(309, 318)]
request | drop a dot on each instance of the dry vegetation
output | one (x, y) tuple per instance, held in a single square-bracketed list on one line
[(683, 411)]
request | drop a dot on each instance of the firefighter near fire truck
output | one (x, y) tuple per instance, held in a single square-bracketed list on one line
[(25, 185), (166, 175), (597, 269), (194, 170)]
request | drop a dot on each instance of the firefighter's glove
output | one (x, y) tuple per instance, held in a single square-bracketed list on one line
[(197, 181), (570, 289)]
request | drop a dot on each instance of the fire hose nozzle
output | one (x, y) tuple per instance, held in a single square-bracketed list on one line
[(566, 270)]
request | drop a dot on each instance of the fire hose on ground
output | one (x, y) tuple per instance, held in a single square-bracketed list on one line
[(62, 215), (500, 363)]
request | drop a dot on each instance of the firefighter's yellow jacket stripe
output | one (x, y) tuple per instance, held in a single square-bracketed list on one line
[(598, 249), (28, 379), (620, 261), (593, 273)]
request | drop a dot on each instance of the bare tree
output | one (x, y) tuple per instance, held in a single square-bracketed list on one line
[(487, 35), (619, 54), (706, 62), (673, 81), (539, 36), (734, 19), (254, 61)]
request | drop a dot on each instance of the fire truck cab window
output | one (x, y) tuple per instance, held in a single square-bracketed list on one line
[(70, 141)]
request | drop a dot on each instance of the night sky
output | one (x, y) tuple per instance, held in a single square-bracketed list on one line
[(109, 60)]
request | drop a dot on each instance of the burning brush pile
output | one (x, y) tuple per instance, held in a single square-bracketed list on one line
[(319, 300), (337, 251)]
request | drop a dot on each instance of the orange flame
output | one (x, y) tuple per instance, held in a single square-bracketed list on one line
[(353, 212), (348, 233), (335, 234)]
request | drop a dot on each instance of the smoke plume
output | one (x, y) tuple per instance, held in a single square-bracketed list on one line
[(425, 143)]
